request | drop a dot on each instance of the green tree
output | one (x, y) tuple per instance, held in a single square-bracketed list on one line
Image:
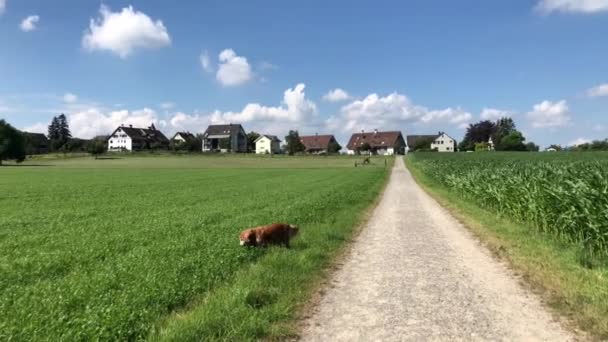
[(477, 133), (334, 147), (224, 144), (513, 141), (423, 144), (251, 138), (294, 144), (12, 143), (96, 147), (532, 147), (59, 133)]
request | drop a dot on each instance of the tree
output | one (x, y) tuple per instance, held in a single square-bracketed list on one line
[(294, 144), (476, 133), (504, 127), (251, 138), (224, 144), (96, 147), (12, 143), (423, 144), (334, 147), (365, 147), (532, 147), (514, 141), (59, 132)]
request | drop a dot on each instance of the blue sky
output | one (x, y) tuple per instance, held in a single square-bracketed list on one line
[(417, 66)]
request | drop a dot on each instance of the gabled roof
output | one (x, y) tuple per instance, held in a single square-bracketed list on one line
[(223, 130), (374, 139), (185, 135), (317, 142), (150, 134), (412, 140), (273, 138)]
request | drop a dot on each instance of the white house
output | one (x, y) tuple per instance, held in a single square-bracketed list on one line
[(135, 139), (444, 143), (267, 144), (182, 137)]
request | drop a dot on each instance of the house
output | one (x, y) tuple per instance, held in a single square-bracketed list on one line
[(383, 143), (318, 144), (129, 138), (36, 143), (225, 138), (417, 142), (267, 144), (443, 143), (182, 137)]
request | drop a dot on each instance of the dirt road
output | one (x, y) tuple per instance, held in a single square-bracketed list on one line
[(414, 273)]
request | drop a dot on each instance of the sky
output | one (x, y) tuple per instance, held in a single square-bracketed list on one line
[(326, 67)]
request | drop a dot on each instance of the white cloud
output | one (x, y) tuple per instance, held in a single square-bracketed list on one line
[(37, 128), (2, 6), (206, 61), (572, 6), (392, 111), (550, 114), (494, 114), (167, 105), (579, 141), (124, 32), (29, 24), (70, 98), (336, 95), (92, 122), (600, 90), (233, 70)]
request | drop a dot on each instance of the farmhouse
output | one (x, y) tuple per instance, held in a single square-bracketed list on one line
[(318, 144), (383, 143), (136, 139), (182, 137), (440, 142), (267, 144), (225, 138), (444, 143), (36, 143)]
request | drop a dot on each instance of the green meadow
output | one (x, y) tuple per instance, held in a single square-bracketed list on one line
[(146, 247)]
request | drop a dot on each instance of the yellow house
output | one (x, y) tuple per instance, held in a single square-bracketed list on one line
[(267, 144)]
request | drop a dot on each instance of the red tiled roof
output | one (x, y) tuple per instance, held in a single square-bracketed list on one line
[(374, 139), (316, 142)]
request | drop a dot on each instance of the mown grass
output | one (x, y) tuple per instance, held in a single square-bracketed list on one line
[(143, 248), (549, 265)]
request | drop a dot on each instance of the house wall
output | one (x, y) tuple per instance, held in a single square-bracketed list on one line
[(263, 146), (443, 143), (119, 140)]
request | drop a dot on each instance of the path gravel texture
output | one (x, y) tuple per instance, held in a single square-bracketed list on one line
[(415, 274)]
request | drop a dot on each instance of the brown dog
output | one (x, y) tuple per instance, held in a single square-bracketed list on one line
[(272, 234)]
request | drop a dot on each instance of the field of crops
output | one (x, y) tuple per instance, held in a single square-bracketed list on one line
[(564, 194), (108, 249)]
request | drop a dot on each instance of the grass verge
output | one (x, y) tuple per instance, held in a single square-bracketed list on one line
[(550, 267), (266, 299)]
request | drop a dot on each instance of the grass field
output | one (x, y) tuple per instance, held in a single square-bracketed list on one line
[(147, 247), (543, 212)]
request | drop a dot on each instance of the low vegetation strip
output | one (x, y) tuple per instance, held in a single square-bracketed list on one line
[(110, 253), (570, 280), (562, 194)]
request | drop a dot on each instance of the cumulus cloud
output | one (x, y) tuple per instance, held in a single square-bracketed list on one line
[(572, 6), (233, 70), (494, 114), (36, 128), (70, 98), (2, 6), (206, 61), (395, 109), (600, 90), (336, 95), (579, 141), (124, 32), (550, 114), (29, 24), (92, 122)]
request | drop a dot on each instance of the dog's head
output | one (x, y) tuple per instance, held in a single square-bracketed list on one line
[(247, 238), (293, 230)]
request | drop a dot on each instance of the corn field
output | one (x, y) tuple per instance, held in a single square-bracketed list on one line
[(563, 194)]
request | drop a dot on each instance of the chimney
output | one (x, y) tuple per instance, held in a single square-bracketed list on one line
[(131, 126), (362, 131), (375, 131)]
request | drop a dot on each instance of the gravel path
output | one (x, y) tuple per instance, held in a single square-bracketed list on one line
[(414, 273)]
